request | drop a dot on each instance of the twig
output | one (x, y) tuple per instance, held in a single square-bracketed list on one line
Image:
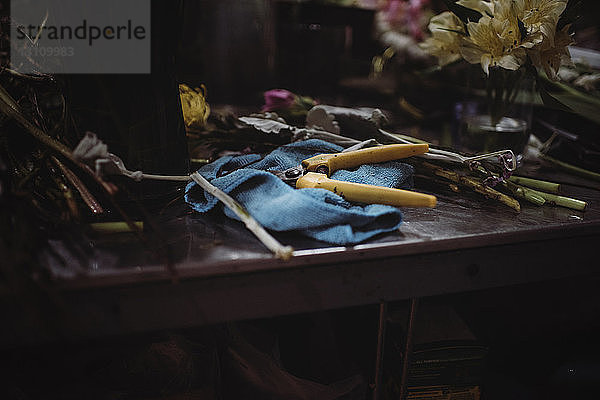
[(69, 199), (172, 178), (12, 110), (283, 252), (86, 196)]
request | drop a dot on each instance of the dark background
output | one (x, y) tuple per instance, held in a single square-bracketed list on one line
[(239, 48)]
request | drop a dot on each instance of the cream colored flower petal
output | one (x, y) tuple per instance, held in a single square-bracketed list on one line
[(551, 68), (444, 46), (548, 30), (448, 58), (472, 54), (484, 7), (532, 40), (486, 60), (482, 33), (539, 18), (535, 57), (503, 8), (446, 21), (550, 59), (513, 61), (564, 38), (542, 16)]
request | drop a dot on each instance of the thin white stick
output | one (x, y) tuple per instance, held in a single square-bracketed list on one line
[(91, 150), (176, 178), (283, 252)]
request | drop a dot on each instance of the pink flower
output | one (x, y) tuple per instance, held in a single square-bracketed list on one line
[(416, 16), (278, 99), (405, 15), (395, 11)]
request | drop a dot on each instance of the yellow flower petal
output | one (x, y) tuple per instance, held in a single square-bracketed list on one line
[(194, 106)]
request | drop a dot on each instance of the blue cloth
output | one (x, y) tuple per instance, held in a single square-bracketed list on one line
[(316, 213)]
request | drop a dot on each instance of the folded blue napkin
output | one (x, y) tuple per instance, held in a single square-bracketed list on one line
[(316, 213)]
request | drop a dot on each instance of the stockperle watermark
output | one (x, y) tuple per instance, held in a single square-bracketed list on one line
[(80, 36)]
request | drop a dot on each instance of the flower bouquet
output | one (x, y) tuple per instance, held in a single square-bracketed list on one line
[(513, 41)]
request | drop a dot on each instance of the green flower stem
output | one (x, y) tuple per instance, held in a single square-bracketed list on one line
[(116, 227), (524, 193), (536, 196), (199, 160), (545, 186), (561, 201)]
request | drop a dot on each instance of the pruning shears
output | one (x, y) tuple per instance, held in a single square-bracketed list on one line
[(314, 172)]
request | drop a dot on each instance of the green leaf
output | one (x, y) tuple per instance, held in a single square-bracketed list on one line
[(562, 96), (579, 106), (549, 100), (552, 102)]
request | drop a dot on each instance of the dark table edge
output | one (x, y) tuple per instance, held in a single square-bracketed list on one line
[(313, 258)]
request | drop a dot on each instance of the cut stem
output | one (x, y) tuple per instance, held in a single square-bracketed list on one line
[(116, 227), (524, 193), (475, 185), (561, 201), (545, 186)]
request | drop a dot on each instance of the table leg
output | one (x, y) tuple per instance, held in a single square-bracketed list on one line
[(380, 349), (408, 348)]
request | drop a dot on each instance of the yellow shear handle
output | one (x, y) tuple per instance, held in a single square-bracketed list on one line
[(367, 193), (351, 159)]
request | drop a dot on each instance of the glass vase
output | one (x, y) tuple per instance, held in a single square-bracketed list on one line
[(496, 114)]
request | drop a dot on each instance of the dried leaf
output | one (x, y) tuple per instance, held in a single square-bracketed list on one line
[(268, 126)]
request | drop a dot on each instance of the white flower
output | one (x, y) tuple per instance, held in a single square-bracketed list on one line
[(447, 32), (550, 56), (487, 47), (539, 17)]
